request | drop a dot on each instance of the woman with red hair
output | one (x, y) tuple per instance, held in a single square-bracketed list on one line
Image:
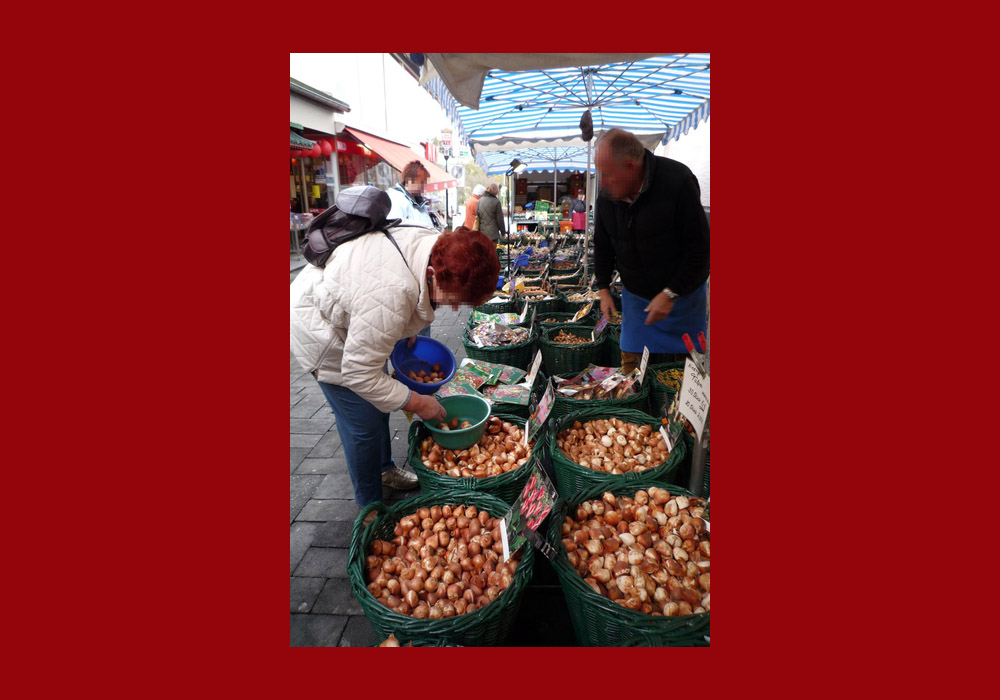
[(347, 316)]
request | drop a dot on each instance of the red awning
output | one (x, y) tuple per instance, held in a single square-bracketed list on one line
[(397, 155)]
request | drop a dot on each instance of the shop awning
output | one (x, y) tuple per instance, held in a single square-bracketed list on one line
[(397, 155), (544, 154), (300, 143)]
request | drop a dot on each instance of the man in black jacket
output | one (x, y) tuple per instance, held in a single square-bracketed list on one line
[(651, 227), (490, 213)]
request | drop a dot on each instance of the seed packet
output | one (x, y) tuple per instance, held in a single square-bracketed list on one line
[(511, 394), (494, 334), (489, 370), (467, 374), (456, 388), (505, 319), (512, 375)]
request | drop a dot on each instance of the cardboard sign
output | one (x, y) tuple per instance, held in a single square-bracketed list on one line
[(582, 313), (645, 361), (694, 396), (524, 313), (528, 512), (601, 325)]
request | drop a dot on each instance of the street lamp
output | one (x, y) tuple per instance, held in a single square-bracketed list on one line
[(447, 209), (516, 167)]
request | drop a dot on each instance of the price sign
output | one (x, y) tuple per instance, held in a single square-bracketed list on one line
[(531, 326), (643, 363), (666, 438), (582, 313), (694, 396), (528, 512)]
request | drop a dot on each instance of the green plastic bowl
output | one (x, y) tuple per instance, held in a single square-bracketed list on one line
[(465, 407)]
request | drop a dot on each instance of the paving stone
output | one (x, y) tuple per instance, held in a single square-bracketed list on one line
[(298, 454), (335, 486), (304, 593), (317, 630), (301, 491), (327, 445), (336, 533), (327, 465), (358, 633), (302, 381), (336, 599), (326, 562), (311, 407), (309, 441), (326, 510), (318, 426), (302, 535)]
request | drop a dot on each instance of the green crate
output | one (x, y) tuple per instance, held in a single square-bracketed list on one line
[(504, 307), (598, 621), (507, 487), (564, 405), (543, 307), (576, 305), (559, 358), (565, 317), (571, 477), (489, 626), (660, 393)]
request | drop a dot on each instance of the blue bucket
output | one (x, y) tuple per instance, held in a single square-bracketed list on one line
[(424, 354)]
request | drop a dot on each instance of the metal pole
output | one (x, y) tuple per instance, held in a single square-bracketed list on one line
[(304, 197), (586, 216), (446, 209), (697, 482)]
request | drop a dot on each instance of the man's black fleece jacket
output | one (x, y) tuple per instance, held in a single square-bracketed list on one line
[(660, 239)]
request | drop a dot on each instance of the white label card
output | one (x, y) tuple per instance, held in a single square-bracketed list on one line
[(524, 313), (643, 363), (666, 438), (531, 326), (694, 396), (530, 380), (503, 538)]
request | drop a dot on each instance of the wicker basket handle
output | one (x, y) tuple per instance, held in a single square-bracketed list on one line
[(357, 529)]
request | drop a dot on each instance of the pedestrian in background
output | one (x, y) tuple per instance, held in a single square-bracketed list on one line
[(407, 196), (490, 212), (579, 212), (651, 227), (471, 207), (346, 318)]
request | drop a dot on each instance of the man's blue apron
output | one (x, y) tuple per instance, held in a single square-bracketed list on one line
[(686, 316)]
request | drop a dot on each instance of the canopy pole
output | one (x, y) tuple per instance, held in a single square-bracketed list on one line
[(586, 216)]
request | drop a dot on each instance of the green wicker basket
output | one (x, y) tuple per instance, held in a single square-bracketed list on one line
[(519, 355), (571, 477), (507, 487), (660, 392), (489, 626), (572, 279), (597, 621), (560, 358), (428, 643), (564, 405), (543, 307), (504, 307), (575, 306), (565, 317), (652, 639)]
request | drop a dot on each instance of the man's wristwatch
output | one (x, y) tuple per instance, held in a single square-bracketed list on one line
[(670, 295)]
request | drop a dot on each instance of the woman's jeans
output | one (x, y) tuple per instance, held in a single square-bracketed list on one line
[(364, 433)]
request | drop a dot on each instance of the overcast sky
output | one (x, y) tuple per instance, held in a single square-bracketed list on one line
[(396, 107)]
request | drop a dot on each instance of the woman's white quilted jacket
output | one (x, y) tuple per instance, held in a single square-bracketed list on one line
[(346, 317)]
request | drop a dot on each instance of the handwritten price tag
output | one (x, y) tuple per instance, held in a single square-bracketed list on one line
[(642, 365), (582, 313), (694, 396)]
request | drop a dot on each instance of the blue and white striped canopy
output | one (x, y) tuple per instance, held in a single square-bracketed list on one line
[(668, 93), (537, 159)]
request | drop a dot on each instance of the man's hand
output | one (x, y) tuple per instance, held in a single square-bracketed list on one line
[(427, 407), (659, 308), (607, 304)]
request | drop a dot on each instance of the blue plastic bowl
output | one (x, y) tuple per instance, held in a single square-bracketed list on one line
[(424, 354)]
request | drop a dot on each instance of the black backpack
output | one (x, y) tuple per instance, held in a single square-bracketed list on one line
[(359, 210)]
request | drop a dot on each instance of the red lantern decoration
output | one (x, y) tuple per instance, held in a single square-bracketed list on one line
[(325, 147), (316, 151)]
